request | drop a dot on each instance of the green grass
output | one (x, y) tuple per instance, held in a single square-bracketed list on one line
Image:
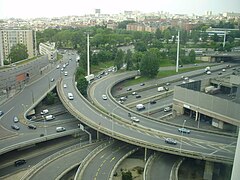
[(101, 66)]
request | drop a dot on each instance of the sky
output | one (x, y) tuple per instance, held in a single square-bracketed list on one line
[(56, 8)]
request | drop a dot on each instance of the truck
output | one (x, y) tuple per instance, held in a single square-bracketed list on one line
[(90, 77), (160, 89)]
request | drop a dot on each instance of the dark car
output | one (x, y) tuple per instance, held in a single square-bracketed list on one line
[(138, 96), (171, 141), (153, 102), (1, 113), (20, 162), (15, 127), (31, 126)]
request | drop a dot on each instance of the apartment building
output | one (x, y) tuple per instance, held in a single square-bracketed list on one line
[(9, 38), (48, 49)]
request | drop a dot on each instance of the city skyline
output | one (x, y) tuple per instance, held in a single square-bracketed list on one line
[(26, 9)]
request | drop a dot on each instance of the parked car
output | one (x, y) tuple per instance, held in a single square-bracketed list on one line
[(20, 162), (15, 119), (134, 93), (64, 85), (171, 141), (184, 130), (15, 127), (1, 113), (142, 84), (52, 79)]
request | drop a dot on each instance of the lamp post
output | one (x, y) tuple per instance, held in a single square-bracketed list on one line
[(182, 135), (177, 63)]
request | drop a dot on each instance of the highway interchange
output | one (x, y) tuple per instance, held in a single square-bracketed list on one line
[(33, 93)]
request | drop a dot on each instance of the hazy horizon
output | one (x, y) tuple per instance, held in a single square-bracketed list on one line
[(27, 9)]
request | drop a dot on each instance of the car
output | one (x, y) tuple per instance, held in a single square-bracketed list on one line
[(64, 85), (167, 84), (65, 73), (208, 72), (52, 79), (223, 70), (31, 126), (104, 97), (170, 141), (60, 129), (152, 102), (15, 119), (134, 93), (184, 130), (123, 98), (45, 111), (142, 84), (1, 113), (167, 109), (15, 127), (129, 89), (138, 96), (134, 119), (20, 162), (219, 73), (58, 66)]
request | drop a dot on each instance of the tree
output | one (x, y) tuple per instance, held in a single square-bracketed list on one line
[(126, 175), (158, 34), (118, 61), (192, 56), (82, 85), (50, 98), (140, 46), (18, 52), (128, 60), (149, 65)]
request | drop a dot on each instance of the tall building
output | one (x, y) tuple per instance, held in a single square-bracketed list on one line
[(9, 38), (49, 49)]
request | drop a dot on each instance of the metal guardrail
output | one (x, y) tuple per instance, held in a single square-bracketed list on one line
[(37, 140), (175, 168)]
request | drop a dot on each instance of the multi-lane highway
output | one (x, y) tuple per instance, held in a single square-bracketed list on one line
[(146, 133)]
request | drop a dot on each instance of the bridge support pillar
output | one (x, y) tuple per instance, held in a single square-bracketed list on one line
[(208, 171), (236, 163), (145, 155)]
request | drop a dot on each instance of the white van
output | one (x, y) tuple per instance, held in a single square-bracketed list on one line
[(60, 129), (161, 89), (70, 96), (140, 107), (49, 117), (45, 111)]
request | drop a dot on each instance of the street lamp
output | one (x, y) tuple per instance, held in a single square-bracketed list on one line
[(182, 135)]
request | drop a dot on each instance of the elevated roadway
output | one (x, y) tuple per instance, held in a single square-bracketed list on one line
[(112, 119)]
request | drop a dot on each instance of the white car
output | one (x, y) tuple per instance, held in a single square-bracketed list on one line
[(104, 97), (135, 119), (15, 119), (134, 93), (64, 85)]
